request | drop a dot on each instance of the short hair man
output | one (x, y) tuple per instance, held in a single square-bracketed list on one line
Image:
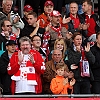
[(6, 33), (36, 44), (33, 26), (45, 17), (6, 8), (4, 61), (26, 67), (7, 5), (50, 71), (91, 19)]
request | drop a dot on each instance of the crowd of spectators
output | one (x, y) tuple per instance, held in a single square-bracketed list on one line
[(49, 53)]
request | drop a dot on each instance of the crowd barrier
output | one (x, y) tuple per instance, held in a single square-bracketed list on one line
[(51, 97)]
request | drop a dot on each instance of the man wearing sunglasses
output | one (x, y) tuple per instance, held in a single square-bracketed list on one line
[(6, 33)]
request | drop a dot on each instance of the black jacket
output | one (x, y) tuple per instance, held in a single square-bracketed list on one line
[(71, 25), (27, 30), (5, 79), (74, 58), (96, 66), (96, 19)]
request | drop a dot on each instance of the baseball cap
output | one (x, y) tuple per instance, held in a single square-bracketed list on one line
[(28, 8), (10, 42), (55, 13), (48, 3)]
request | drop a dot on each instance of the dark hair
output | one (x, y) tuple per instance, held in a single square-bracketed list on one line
[(3, 22), (97, 35), (88, 2), (75, 34), (34, 37), (33, 13)]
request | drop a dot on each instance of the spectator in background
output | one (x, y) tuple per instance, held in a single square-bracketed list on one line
[(7, 5), (25, 68), (56, 29), (96, 66), (33, 26), (34, 4), (6, 33), (45, 17), (79, 2), (27, 9), (15, 18), (91, 19), (5, 79), (76, 20), (59, 44), (36, 45), (79, 59), (6, 8)]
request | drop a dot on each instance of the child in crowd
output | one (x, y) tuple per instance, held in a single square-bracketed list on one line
[(59, 84)]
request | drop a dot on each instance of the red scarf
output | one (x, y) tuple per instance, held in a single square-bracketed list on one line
[(84, 65), (45, 44), (30, 75), (58, 30)]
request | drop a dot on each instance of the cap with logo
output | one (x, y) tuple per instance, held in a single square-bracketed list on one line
[(10, 42), (28, 8), (48, 3), (55, 13)]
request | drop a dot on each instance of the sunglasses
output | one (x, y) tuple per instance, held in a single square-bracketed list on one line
[(8, 25)]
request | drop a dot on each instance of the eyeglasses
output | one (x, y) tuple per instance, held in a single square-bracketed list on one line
[(8, 25)]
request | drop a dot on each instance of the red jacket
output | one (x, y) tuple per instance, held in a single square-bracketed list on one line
[(39, 66)]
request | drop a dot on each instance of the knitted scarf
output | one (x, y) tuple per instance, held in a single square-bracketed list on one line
[(84, 65)]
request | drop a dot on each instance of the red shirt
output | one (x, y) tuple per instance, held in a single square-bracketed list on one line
[(75, 21), (92, 24)]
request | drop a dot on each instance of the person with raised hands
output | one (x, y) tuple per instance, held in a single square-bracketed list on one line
[(79, 60), (25, 68)]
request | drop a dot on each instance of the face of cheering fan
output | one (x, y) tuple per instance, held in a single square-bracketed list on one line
[(59, 45), (57, 55), (55, 19), (7, 6), (25, 47), (60, 71), (78, 40), (73, 8), (36, 42), (48, 9)]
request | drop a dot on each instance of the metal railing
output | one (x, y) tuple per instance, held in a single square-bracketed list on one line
[(52, 96)]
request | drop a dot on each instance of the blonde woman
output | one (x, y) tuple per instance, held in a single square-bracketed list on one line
[(61, 45)]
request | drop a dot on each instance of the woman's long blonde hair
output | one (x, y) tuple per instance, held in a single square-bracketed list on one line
[(62, 41)]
